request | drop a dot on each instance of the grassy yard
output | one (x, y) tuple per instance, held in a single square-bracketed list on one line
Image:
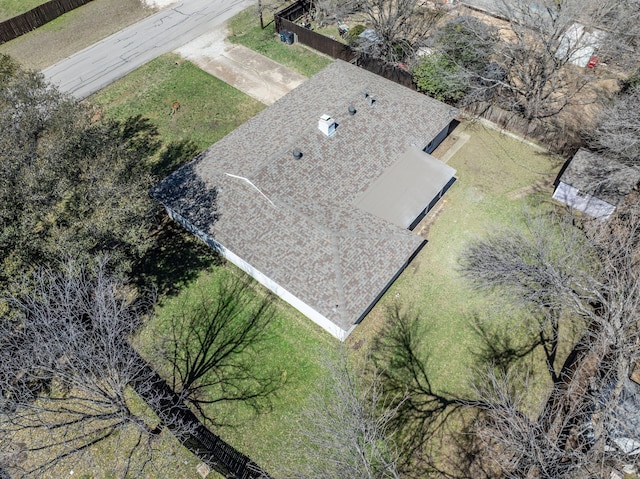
[(295, 350), (11, 8), (494, 175), (244, 29), (169, 460), (209, 108), (72, 31)]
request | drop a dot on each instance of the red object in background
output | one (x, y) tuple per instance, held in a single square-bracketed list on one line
[(592, 62)]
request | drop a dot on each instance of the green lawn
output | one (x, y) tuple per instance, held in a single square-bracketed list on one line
[(493, 173), (296, 350), (209, 108), (244, 29), (11, 8)]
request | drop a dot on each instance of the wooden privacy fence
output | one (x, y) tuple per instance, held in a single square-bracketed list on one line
[(195, 436), (285, 20), (294, 11), (36, 17)]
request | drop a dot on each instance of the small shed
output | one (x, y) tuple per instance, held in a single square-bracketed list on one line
[(594, 184)]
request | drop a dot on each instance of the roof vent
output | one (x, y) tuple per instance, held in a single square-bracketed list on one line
[(297, 154), (352, 110), (372, 100), (327, 125)]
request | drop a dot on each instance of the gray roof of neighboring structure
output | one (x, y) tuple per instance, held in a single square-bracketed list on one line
[(295, 220), (603, 178)]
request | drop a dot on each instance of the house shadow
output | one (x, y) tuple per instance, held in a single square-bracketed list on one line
[(176, 259), (178, 256)]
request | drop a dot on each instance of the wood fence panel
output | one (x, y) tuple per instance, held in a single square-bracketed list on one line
[(336, 49), (195, 436), (319, 42), (36, 17)]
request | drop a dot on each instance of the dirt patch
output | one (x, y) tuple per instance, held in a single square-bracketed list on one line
[(74, 31), (423, 227), (545, 184)]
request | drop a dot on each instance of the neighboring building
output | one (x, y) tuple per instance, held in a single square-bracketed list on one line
[(580, 44), (594, 184), (316, 195)]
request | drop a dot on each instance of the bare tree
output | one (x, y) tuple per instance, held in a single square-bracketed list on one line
[(330, 11), (215, 343), (543, 44), (618, 130), (65, 371), (348, 428), (398, 26), (577, 292), (582, 426)]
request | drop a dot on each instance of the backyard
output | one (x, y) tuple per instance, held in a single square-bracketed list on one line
[(494, 176)]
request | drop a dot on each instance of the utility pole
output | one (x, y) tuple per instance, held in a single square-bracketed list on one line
[(260, 11)]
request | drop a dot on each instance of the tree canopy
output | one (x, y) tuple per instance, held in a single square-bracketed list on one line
[(68, 186)]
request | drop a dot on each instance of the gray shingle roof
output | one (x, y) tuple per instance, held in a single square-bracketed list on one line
[(601, 177), (295, 220)]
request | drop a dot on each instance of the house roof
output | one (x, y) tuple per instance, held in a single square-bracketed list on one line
[(405, 182), (298, 221), (601, 177)]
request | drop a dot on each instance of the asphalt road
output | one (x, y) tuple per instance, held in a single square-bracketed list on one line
[(104, 62)]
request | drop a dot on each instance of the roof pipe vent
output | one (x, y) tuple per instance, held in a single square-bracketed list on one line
[(372, 100), (365, 93), (297, 154), (352, 110)]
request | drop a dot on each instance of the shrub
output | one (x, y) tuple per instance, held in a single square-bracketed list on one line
[(440, 78), (354, 32)]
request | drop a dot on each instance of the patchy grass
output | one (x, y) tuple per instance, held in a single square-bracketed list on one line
[(11, 8), (73, 31), (209, 108), (244, 29), (163, 457), (490, 168)]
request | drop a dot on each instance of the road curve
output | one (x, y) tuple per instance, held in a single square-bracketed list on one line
[(95, 67)]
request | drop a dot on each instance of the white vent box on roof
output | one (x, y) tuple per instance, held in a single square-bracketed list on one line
[(327, 125)]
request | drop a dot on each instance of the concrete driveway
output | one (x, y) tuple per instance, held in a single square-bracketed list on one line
[(102, 63), (240, 67)]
